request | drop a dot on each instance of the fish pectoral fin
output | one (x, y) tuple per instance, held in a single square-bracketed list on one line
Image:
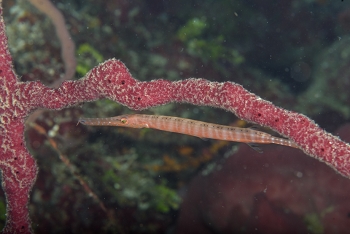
[(255, 147)]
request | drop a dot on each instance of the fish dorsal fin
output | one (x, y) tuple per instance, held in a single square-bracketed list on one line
[(255, 127), (255, 147)]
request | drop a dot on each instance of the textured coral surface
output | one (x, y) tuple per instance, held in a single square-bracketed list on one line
[(217, 57)]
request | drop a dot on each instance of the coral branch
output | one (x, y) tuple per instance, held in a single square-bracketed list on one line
[(113, 81), (67, 44)]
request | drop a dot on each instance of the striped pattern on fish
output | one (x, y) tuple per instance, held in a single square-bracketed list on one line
[(190, 127)]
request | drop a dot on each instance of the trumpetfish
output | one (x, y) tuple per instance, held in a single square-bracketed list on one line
[(191, 127)]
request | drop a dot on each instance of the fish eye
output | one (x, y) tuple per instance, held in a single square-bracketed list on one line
[(124, 120)]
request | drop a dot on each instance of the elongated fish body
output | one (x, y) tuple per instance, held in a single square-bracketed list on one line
[(190, 127)]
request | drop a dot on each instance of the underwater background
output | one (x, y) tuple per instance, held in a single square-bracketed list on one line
[(294, 53)]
